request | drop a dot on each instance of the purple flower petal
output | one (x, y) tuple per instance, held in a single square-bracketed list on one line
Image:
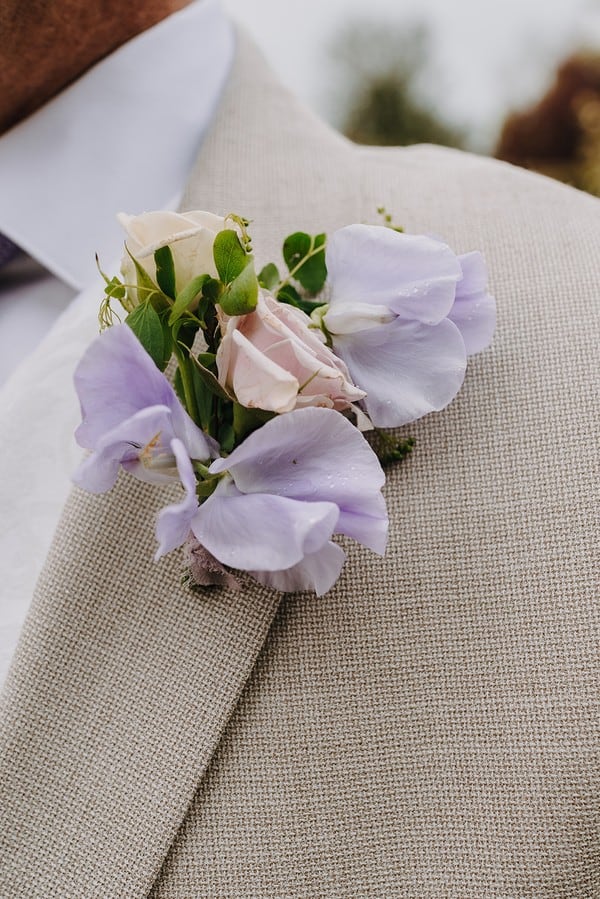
[(123, 445), (173, 524), (315, 455), (97, 474), (117, 378), (260, 530), (474, 310), (317, 571), (298, 455), (131, 415), (407, 369), (412, 275), (365, 521)]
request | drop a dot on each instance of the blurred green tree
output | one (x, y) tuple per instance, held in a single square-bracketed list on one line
[(380, 72)]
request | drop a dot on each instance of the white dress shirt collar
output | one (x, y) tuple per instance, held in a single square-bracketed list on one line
[(122, 138)]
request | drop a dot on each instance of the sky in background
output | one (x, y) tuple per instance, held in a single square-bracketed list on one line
[(489, 56)]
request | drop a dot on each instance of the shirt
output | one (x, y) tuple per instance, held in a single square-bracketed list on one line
[(123, 137)]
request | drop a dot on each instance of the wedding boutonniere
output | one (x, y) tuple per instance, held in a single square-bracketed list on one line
[(276, 377)]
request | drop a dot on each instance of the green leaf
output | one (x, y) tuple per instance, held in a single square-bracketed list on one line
[(269, 277), (226, 437), (144, 281), (205, 400), (207, 488), (104, 276), (183, 332), (247, 420), (115, 288), (178, 385), (145, 323), (312, 273), (165, 271), (198, 401), (167, 338), (201, 365), (148, 291), (288, 294), (186, 297), (241, 296), (212, 328), (230, 257), (295, 248), (212, 290)]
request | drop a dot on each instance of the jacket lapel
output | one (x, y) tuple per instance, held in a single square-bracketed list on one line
[(124, 681)]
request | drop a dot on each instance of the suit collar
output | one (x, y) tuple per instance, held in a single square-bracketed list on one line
[(121, 138)]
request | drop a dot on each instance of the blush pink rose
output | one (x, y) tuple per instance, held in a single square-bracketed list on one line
[(272, 359)]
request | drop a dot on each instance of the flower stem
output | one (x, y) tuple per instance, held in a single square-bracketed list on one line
[(186, 381)]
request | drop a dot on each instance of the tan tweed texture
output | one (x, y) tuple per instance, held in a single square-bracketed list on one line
[(430, 728)]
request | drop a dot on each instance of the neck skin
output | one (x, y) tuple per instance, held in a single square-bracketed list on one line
[(45, 46)]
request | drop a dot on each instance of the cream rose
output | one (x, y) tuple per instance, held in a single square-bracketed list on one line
[(190, 235), (271, 359)]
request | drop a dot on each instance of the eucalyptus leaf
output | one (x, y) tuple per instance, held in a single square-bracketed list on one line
[(269, 276), (241, 296), (312, 273), (165, 271), (230, 257), (186, 297), (145, 323)]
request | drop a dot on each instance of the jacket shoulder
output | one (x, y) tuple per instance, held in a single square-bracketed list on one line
[(439, 177)]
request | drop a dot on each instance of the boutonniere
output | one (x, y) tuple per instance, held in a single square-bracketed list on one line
[(274, 379)]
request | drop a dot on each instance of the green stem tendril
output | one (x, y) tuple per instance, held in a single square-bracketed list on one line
[(388, 448), (243, 225)]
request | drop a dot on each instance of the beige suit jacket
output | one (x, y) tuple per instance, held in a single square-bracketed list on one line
[(427, 729)]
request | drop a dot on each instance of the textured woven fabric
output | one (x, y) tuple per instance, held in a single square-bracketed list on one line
[(8, 250), (431, 727)]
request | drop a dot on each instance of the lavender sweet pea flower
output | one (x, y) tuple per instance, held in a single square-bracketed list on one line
[(474, 309), (284, 492), (391, 297), (131, 416)]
